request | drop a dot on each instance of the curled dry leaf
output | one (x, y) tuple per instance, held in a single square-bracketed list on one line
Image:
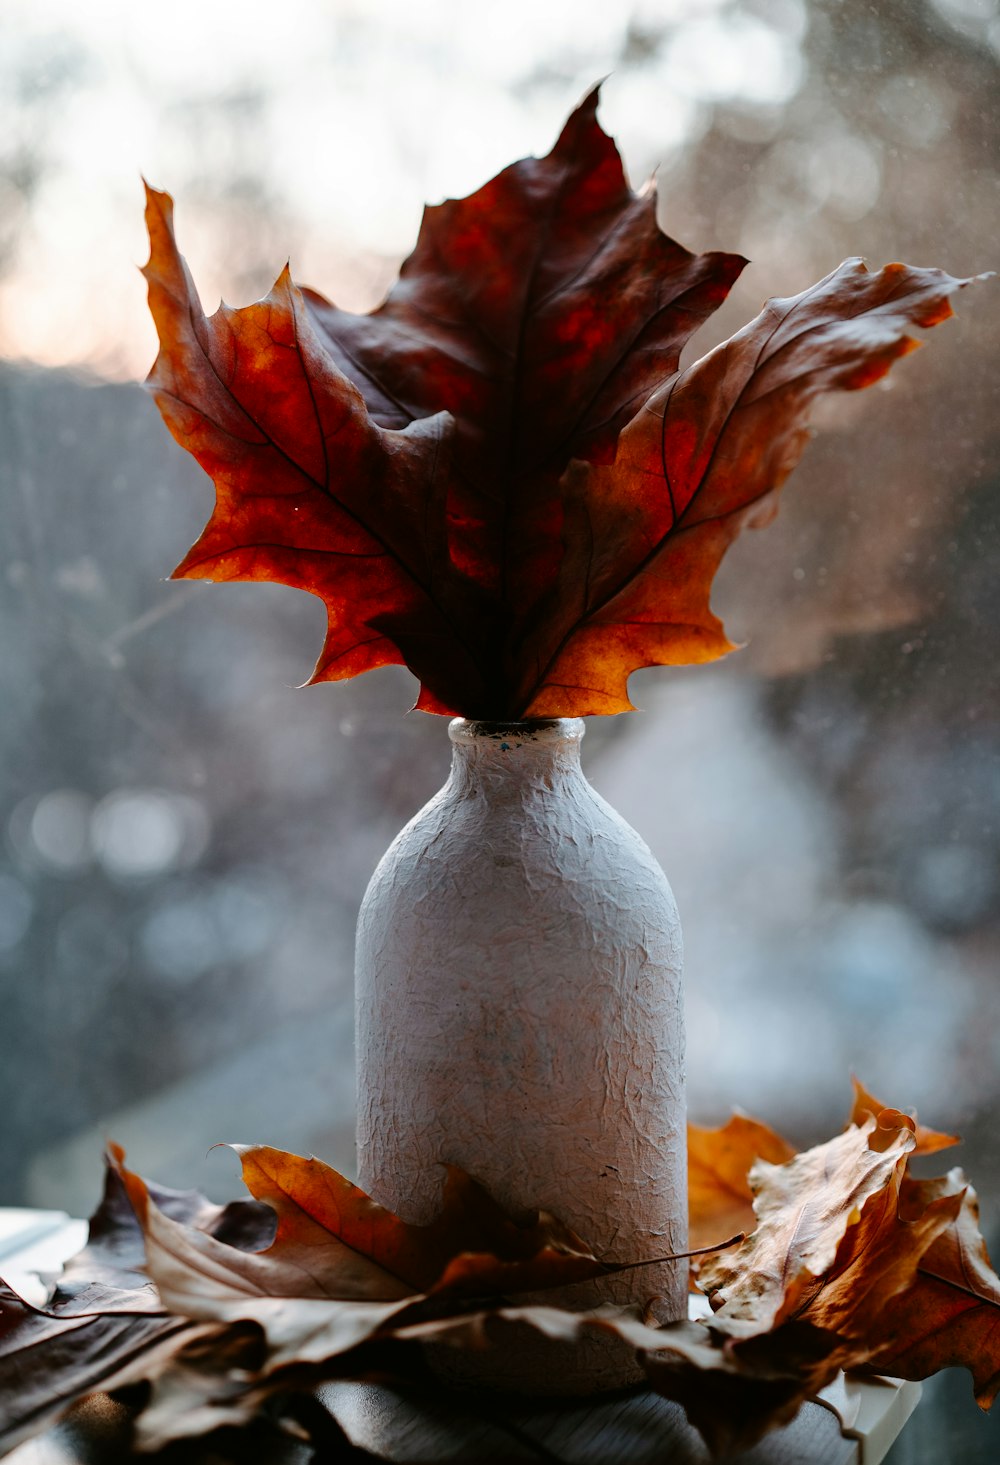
[(305, 1317), (499, 477), (949, 1315), (926, 1141), (109, 1273), (804, 1209), (735, 1394), (335, 1245)]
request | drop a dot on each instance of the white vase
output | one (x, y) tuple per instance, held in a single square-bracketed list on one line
[(519, 1014)]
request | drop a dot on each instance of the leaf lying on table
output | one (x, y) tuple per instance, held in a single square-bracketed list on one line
[(499, 477), (473, 1248), (853, 1263), (104, 1313)]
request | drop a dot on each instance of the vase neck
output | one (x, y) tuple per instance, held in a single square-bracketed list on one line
[(502, 758)]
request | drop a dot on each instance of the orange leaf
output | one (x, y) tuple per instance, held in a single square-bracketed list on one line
[(472, 1247), (835, 1256), (720, 1201), (876, 1261), (305, 1316)]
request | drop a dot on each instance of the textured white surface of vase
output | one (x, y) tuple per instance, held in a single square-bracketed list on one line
[(519, 1014)]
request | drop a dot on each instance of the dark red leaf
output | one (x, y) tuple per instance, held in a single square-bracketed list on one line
[(499, 477), (405, 465)]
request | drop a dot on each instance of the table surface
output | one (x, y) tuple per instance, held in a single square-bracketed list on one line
[(433, 1423)]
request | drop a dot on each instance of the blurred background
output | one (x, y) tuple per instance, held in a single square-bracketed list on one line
[(186, 836)]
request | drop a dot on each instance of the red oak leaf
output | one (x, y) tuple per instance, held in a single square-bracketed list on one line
[(499, 477), (701, 460), (405, 465)]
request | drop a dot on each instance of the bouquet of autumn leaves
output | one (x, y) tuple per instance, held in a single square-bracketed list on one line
[(227, 1316), (500, 477)]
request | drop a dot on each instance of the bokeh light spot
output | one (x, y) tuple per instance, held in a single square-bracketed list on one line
[(143, 832), (59, 831)]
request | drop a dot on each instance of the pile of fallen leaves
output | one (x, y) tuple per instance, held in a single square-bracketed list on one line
[(501, 477), (225, 1314)]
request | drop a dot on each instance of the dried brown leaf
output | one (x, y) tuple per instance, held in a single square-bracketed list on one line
[(950, 1314), (49, 1362), (103, 1318), (804, 1209)]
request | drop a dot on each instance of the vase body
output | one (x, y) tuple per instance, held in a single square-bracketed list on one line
[(518, 990)]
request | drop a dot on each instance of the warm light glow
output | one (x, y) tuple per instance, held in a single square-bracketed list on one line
[(340, 127)]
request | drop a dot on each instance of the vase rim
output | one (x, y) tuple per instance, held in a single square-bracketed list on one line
[(539, 730)]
